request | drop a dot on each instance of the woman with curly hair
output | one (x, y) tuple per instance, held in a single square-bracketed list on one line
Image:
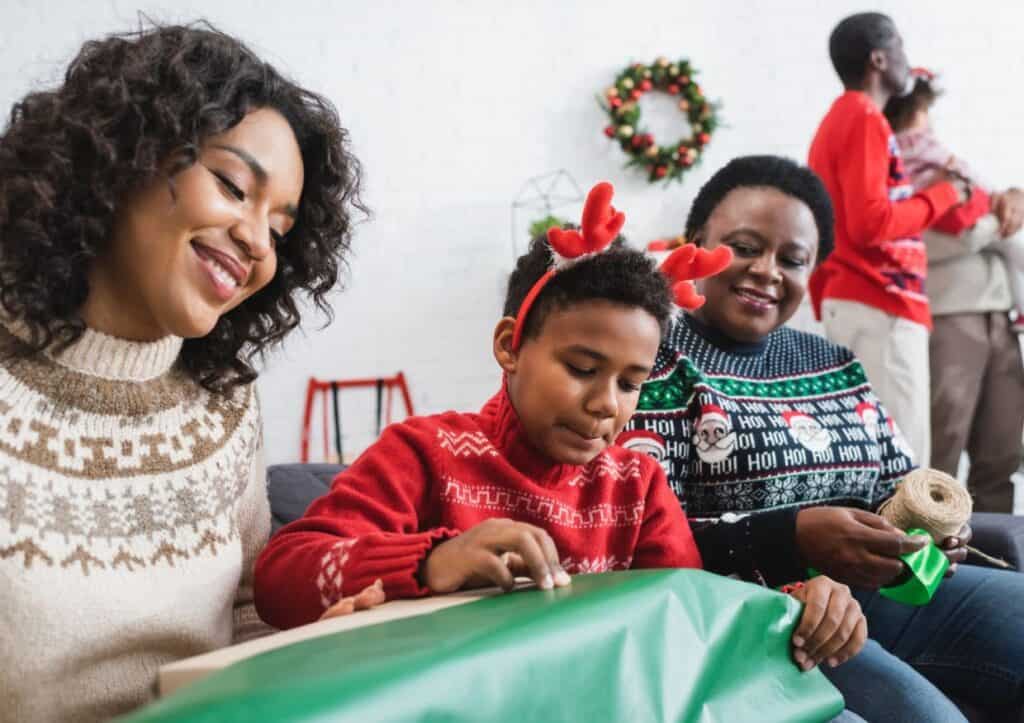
[(161, 211)]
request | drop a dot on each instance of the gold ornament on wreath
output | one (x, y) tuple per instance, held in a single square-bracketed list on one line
[(621, 102)]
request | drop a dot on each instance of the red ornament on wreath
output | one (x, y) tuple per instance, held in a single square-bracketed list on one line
[(661, 161)]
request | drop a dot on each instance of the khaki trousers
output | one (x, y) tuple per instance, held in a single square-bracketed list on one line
[(977, 403), (894, 353)]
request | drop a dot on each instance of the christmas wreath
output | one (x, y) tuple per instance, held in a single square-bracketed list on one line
[(620, 101)]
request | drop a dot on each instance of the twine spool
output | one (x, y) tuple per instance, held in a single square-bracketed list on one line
[(931, 500)]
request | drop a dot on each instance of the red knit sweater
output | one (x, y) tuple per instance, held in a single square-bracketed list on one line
[(879, 258), (428, 478)]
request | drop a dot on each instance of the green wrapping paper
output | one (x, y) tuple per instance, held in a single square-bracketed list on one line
[(926, 568), (646, 645)]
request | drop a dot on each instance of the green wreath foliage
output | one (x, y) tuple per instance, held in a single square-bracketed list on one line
[(621, 102)]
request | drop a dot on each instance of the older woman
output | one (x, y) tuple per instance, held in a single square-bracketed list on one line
[(781, 453), (160, 213)]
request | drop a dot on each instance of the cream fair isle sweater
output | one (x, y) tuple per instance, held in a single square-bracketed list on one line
[(132, 505)]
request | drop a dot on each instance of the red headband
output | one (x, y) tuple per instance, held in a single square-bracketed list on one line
[(599, 226)]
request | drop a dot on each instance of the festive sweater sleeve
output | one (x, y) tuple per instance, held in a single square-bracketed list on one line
[(759, 545), (962, 217), (253, 518), (368, 527), (665, 538), (863, 171)]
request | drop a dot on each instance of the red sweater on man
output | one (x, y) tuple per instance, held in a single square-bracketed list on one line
[(879, 258), (429, 478)]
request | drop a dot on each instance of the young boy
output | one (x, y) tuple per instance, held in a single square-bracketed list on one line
[(532, 484)]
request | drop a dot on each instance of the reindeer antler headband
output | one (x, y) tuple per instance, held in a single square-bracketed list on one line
[(599, 226)]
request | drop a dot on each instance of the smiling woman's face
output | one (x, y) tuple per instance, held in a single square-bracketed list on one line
[(186, 252), (774, 240)]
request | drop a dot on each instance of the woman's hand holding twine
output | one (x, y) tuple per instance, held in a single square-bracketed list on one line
[(853, 546), (863, 549)]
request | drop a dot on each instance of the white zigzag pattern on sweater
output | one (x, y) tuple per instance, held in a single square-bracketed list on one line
[(587, 565), (604, 466), (466, 444), (330, 579), (492, 497)]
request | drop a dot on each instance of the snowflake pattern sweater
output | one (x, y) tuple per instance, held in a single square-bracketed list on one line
[(879, 258), (132, 503), (429, 478), (750, 433)]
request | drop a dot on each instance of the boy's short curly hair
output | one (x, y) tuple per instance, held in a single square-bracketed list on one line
[(620, 274), (775, 172), (128, 105)]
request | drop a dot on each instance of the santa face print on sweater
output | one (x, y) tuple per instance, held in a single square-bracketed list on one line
[(898, 440), (714, 436), (649, 443), (869, 415), (808, 431)]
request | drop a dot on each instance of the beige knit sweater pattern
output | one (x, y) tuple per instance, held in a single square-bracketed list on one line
[(132, 505)]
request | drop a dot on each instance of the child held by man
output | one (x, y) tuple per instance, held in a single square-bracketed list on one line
[(928, 161)]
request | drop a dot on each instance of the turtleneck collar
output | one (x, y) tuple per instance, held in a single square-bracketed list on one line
[(501, 424), (108, 357)]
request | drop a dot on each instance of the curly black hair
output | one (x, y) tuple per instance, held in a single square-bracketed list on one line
[(900, 110), (128, 105), (852, 41), (620, 274), (775, 172)]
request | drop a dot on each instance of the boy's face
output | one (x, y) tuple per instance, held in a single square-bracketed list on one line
[(576, 383)]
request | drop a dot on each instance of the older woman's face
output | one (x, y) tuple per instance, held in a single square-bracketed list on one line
[(774, 240), (185, 253)]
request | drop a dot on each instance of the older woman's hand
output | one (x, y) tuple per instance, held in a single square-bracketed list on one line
[(853, 546), (955, 548), (832, 628)]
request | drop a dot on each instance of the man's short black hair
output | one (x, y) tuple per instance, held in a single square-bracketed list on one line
[(852, 42), (620, 274), (775, 172)]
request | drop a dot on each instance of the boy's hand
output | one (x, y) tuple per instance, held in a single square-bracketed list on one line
[(371, 596), (853, 546), (832, 628), (493, 552)]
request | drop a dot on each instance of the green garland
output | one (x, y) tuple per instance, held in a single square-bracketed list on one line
[(668, 162)]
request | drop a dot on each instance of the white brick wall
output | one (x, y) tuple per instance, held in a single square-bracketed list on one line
[(452, 105)]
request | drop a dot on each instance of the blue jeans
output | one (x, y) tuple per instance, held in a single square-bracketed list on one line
[(968, 642)]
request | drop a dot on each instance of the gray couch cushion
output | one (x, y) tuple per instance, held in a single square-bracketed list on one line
[(293, 487)]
